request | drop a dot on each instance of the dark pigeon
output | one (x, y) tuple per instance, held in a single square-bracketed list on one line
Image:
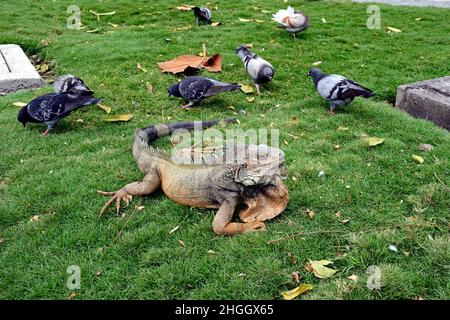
[(259, 69), (70, 94), (195, 89), (338, 90), (202, 14)]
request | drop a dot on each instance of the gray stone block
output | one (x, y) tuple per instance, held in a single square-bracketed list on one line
[(16, 70), (428, 100)]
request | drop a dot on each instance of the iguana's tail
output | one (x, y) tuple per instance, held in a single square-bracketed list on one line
[(145, 136)]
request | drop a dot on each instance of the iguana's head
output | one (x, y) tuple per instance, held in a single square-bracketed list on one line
[(262, 166)]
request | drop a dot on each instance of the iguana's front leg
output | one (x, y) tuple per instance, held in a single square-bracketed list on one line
[(222, 221), (150, 183)]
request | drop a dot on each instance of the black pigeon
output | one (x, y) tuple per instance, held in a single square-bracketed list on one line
[(338, 90), (195, 89), (202, 14), (259, 69), (70, 94)]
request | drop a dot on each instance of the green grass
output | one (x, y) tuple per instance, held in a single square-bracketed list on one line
[(57, 177)]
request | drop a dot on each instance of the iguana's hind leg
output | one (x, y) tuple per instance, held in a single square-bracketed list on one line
[(149, 184), (222, 222)]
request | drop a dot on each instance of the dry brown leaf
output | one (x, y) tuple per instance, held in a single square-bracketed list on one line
[(35, 218), (72, 296), (182, 63), (297, 276), (139, 208), (119, 117), (185, 7), (291, 294), (310, 213), (246, 88), (104, 108), (215, 24), (141, 68), (181, 242), (149, 88), (353, 277), (309, 267)]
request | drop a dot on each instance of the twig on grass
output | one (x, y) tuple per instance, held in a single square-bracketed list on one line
[(437, 177)]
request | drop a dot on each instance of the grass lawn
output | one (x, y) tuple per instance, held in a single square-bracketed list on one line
[(390, 198)]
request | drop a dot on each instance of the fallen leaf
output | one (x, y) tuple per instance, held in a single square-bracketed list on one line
[(293, 258), (418, 159), (92, 31), (249, 45), (393, 248), (342, 128), (211, 252), (113, 25), (185, 62), (104, 108), (43, 68), (418, 19), (246, 88), (324, 21), (141, 68), (98, 273), (320, 270), (426, 147), (72, 296), (316, 63), (338, 214), (393, 29), (310, 213), (185, 7), (215, 24), (345, 221), (174, 229), (139, 208), (101, 14), (291, 294), (337, 146), (182, 28), (2, 240), (321, 173), (20, 104), (309, 267), (245, 20), (181, 242), (250, 99), (35, 218), (297, 276), (120, 117), (353, 277), (374, 141), (149, 88)]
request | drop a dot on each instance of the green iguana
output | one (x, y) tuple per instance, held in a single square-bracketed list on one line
[(250, 184)]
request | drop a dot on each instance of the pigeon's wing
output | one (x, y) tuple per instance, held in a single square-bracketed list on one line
[(194, 88), (218, 87), (328, 86), (204, 13), (354, 89), (47, 107)]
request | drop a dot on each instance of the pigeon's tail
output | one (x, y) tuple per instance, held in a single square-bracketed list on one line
[(368, 94), (229, 86), (149, 134), (92, 101)]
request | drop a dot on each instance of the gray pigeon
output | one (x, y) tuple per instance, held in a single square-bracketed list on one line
[(195, 89), (202, 14), (70, 94), (259, 69), (338, 90)]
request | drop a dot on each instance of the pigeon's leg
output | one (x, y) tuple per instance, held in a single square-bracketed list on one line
[(196, 20), (150, 183), (187, 106), (46, 132), (258, 88), (222, 221), (294, 35), (331, 111)]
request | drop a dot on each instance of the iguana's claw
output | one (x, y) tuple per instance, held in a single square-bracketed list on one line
[(117, 196), (257, 226)]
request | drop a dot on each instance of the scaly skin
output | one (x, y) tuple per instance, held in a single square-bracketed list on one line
[(197, 185)]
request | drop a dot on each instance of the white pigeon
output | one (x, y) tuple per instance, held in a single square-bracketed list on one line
[(338, 90), (291, 20), (260, 70)]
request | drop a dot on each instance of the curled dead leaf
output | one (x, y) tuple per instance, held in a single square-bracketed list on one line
[(297, 276), (291, 294), (181, 242), (149, 88), (104, 108), (118, 118), (185, 7), (185, 62), (35, 218), (353, 277), (215, 24), (418, 159), (374, 141)]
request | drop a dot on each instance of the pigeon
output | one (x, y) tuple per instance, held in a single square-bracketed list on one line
[(291, 20), (338, 90), (202, 14), (259, 69), (195, 89), (70, 94)]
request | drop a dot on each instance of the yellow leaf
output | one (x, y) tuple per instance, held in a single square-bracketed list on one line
[(185, 7), (244, 20), (249, 45), (92, 31), (316, 63), (418, 159), (72, 296), (250, 99), (105, 108), (291, 294), (120, 117), (246, 88), (43, 68), (374, 141), (215, 24), (139, 208), (320, 270), (20, 104), (141, 67), (113, 25), (310, 213), (342, 128), (181, 242), (393, 29)]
